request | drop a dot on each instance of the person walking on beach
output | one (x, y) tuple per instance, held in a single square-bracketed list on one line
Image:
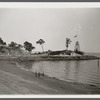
[(36, 74), (42, 74), (39, 74)]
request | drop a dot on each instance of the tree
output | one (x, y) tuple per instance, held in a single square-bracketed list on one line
[(68, 41), (19, 46), (2, 42), (12, 45), (28, 46), (2, 45), (41, 42)]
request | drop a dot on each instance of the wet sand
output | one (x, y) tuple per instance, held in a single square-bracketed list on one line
[(14, 80)]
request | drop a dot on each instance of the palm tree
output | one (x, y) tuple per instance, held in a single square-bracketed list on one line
[(68, 41), (41, 42)]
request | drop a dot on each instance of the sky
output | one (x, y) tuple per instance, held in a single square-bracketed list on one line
[(53, 25)]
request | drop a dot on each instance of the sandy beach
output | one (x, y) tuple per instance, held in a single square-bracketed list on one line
[(14, 80)]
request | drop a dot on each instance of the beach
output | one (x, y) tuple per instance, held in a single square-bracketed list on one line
[(14, 80)]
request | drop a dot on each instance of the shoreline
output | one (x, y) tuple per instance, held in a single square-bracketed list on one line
[(46, 58), (55, 58), (14, 80)]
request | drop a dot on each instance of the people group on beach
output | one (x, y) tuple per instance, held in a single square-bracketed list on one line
[(38, 74)]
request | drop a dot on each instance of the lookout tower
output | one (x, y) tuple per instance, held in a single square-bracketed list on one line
[(77, 46)]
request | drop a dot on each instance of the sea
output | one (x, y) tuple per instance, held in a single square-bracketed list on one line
[(83, 71)]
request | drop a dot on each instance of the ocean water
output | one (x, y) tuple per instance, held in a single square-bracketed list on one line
[(85, 71)]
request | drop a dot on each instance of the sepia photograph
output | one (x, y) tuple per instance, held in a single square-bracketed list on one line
[(49, 50)]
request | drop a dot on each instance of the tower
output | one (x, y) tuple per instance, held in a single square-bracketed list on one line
[(77, 46)]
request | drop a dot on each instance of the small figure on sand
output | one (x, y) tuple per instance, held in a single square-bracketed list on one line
[(36, 74), (42, 74), (39, 74)]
